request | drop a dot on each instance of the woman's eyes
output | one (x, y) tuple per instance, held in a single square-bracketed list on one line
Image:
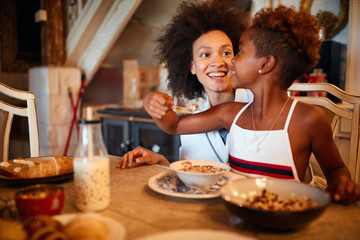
[(204, 55), (225, 53)]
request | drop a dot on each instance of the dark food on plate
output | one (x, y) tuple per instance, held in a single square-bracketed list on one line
[(269, 201), (36, 167), (188, 167), (44, 227), (79, 228)]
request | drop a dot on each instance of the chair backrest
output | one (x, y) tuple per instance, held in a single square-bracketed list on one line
[(343, 116), (7, 112)]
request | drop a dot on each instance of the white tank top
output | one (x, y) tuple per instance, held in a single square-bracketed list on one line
[(275, 158)]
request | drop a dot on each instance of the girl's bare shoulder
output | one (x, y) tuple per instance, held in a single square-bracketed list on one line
[(309, 114)]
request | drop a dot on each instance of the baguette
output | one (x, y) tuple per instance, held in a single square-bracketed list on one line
[(36, 167)]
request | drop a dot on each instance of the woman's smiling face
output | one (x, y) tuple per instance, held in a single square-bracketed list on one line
[(212, 56)]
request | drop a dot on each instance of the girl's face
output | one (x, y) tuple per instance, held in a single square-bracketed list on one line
[(246, 64), (212, 56)]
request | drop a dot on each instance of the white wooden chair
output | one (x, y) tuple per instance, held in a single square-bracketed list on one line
[(7, 112), (344, 118)]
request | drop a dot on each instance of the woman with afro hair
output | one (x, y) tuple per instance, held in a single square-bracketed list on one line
[(274, 135), (197, 47)]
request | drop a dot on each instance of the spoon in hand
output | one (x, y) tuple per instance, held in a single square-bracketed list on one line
[(188, 109)]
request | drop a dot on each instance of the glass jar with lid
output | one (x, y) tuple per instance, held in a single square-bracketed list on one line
[(91, 169)]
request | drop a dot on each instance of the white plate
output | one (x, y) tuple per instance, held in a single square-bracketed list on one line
[(201, 234), (31, 181), (117, 230), (176, 188)]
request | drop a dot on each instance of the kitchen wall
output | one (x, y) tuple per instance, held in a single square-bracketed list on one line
[(135, 42)]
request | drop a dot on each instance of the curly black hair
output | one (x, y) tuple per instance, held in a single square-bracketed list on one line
[(291, 37), (193, 19)]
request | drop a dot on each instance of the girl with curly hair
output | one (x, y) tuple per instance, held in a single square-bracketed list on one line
[(197, 47), (274, 135)]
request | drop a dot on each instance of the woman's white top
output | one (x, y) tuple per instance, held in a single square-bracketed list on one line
[(275, 157)]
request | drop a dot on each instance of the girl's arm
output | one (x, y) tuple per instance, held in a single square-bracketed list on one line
[(206, 121), (216, 117), (340, 184)]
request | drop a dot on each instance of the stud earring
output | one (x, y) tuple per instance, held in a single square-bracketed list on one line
[(260, 71)]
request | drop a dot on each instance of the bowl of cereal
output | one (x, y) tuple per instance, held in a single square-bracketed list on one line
[(274, 204), (199, 173), (40, 199)]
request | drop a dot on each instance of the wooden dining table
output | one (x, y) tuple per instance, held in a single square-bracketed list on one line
[(144, 212)]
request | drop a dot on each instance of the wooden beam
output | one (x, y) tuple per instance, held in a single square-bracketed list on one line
[(88, 48), (84, 29), (52, 35)]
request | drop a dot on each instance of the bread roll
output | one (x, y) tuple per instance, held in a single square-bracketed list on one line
[(87, 227), (36, 167)]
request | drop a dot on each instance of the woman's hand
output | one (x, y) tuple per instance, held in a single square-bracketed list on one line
[(141, 155), (157, 104), (344, 189)]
